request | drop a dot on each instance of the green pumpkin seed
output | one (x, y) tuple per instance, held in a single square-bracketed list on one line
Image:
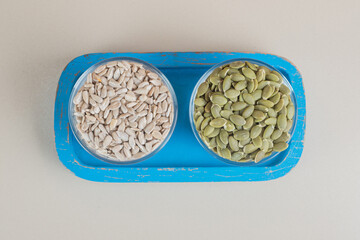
[(223, 72), (226, 113), (272, 113), (215, 110), (262, 108), (205, 123), (288, 125), (218, 122), (248, 111), (251, 66), (244, 142), (237, 120), (207, 114), (258, 114), (197, 115), (236, 156), (281, 122), (237, 77), (214, 133), (248, 98), (200, 102), (260, 75), (237, 106), (263, 84), (268, 131), (290, 111), (215, 80), (208, 130), (251, 86), (224, 136), (226, 84), (284, 89), (279, 147), (255, 131), (219, 143), (262, 124), (198, 122), (265, 69), (237, 64), (241, 135), (249, 148), (212, 143), (233, 144), (256, 84), (279, 105), (260, 155), (248, 73), (267, 91), (276, 98), (249, 123), (257, 141), (266, 103), (218, 99), (271, 121), (231, 93), (277, 74), (265, 145), (283, 138), (240, 85), (202, 89), (257, 94), (208, 107), (226, 153), (276, 134), (272, 77), (232, 71), (227, 106), (229, 126)]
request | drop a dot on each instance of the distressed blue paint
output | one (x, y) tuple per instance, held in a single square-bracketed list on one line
[(172, 164)]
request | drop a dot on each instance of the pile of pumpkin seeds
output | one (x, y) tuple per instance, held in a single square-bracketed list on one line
[(243, 112)]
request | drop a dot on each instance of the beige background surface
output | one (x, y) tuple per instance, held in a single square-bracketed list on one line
[(40, 199)]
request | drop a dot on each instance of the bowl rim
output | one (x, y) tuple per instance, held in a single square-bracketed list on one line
[(80, 82), (191, 110)]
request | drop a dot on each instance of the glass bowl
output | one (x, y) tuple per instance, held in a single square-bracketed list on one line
[(203, 79), (72, 119)]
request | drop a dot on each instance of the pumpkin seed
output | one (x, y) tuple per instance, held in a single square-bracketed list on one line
[(231, 93), (215, 80), (262, 108), (266, 103), (226, 113), (257, 94), (249, 148), (276, 134), (267, 92), (200, 102), (214, 133), (258, 114), (271, 121), (237, 120), (236, 156), (237, 64), (215, 110), (251, 86), (248, 73), (205, 123), (263, 84), (212, 143), (224, 136), (208, 107), (208, 130), (281, 122), (252, 66), (198, 122), (219, 143), (279, 105), (218, 122), (248, 111), (288, 125), (268, 131), (283, 138), (284, 89), (237, 106), (218, 99), (249, 123), (226, 153), (223, 72), (260, 155), (240, 85), (229, 126), (272, 77), (248, 98), (202, 89), (257, 141), (233, 144), (290, 111), (241, 135), (255, 131), (272, 113), (237, 77), (226, 83), (279, 147)]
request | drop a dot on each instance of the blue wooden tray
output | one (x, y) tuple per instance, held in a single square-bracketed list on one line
[(182, 159)]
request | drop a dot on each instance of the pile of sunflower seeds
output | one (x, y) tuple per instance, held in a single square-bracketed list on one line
[(123, 111), (243, 112)]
